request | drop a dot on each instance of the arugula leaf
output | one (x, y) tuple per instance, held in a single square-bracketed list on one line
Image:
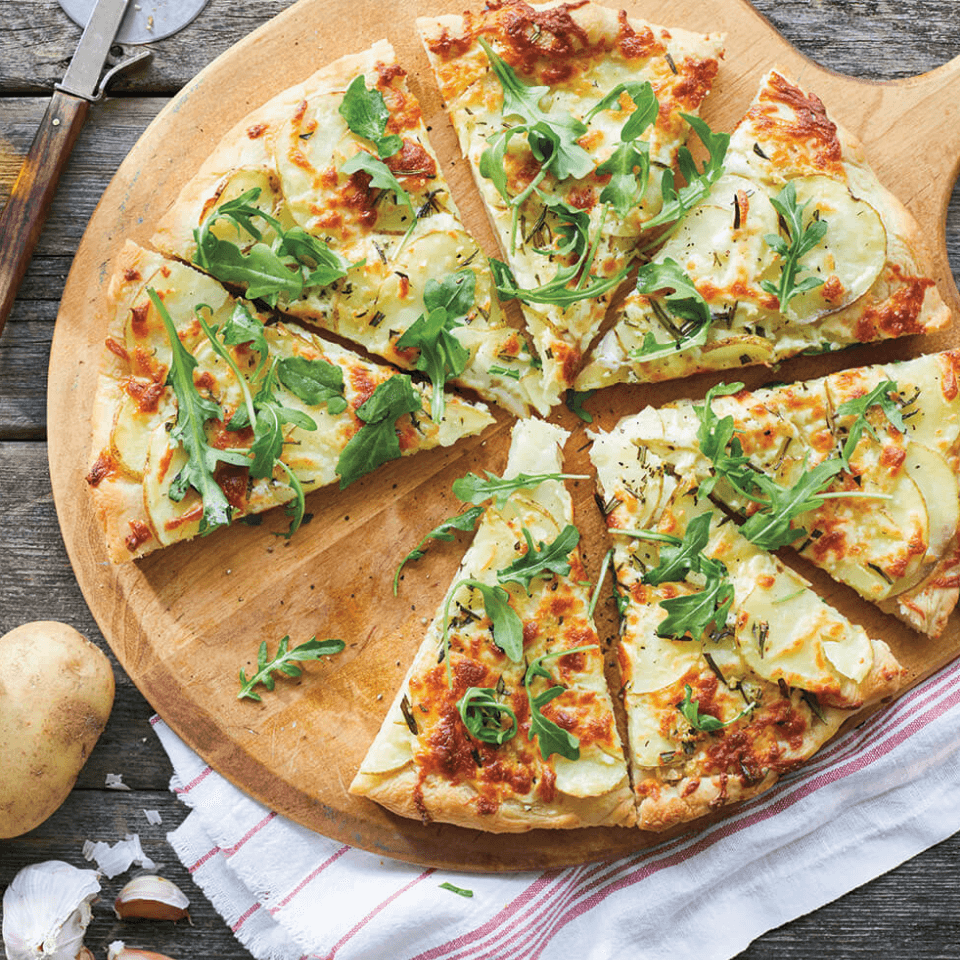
[(554, 290), (472, 489), (646, 107), (679, 557), (506, 622), (193, 411), (878, 397), (243, 327), (575, 400), (693, 613), (296, 507), (704, 721), (460, 891), (295, 260), (625, 188), (769, 527), (366, 114), (676, 202), (464, 521), (551, 738), (442, 355), (552, 136), (376, 441), (684, 302), (629, 169), (690, 613), (272, 415), (313, 381), (381, 178), (802, 241), (322, 266), (265, 275), (285, 662), (482, 713), (715, 435), (549, 560)]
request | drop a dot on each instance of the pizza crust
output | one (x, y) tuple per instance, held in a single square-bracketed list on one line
[(879, 262), (134, 459), (581, 52), (292, 148), (424, 763)]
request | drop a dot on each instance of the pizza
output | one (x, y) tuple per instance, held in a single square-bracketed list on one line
[(504, 721), (858, 471), (733, 670), (798, 248), (236, 416), (572, 116), (328, 203)]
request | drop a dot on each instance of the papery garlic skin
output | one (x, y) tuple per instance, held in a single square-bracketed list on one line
[(46, 911)]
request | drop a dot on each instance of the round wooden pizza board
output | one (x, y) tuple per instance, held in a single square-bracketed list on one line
[(185, 620)]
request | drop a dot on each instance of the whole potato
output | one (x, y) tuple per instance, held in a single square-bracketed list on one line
[(56, 691)]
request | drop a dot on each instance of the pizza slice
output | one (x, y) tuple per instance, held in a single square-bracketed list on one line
[(504, 721), (858, 471), (797, 249), (572, 117), (734, 671), (328, 203), (205, 413)]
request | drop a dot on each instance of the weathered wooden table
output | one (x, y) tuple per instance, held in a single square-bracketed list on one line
[(912, 912)]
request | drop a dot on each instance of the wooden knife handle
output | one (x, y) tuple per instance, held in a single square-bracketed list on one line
[(33, 191)]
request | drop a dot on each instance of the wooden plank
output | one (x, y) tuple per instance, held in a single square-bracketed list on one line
[(95, 816), (154, 611), (37, 40)]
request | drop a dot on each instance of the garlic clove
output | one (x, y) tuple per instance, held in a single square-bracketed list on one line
[(46, 910), (118, 950), (151, 898)]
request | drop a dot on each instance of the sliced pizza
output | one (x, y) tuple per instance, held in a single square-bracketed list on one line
[(734, 671), (572, 117), (798, 248), (858, 471), (328, 202), (205, 413), (504, 721)]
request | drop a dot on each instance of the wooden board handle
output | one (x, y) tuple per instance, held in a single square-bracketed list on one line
[(33, 191)]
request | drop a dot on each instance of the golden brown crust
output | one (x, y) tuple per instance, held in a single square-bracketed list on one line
[(426, 763), (135, 455)]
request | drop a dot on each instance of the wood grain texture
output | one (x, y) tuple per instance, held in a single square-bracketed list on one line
[(174, 618), (26, 209), (910, 913)]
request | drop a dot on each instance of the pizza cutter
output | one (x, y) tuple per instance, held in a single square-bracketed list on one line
[(105, 23)]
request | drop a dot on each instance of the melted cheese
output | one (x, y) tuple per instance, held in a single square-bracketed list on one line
[(873, 282), (579, 54), (460, 777)]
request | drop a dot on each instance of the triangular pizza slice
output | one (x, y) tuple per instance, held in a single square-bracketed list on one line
[(204, 413), (572, 117), (798, 248), (734, 671), (328, 203), (858, 471), (504, 721)]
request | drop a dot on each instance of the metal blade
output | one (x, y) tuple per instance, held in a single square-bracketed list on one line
[(145, 20), (83, 74)]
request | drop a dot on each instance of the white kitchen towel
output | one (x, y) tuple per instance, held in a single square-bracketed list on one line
[(870, 800)]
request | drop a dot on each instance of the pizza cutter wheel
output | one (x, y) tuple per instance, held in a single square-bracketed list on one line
[(145, 20)]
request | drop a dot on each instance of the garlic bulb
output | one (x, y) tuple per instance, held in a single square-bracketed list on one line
[(151, 898), (46, 910)]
